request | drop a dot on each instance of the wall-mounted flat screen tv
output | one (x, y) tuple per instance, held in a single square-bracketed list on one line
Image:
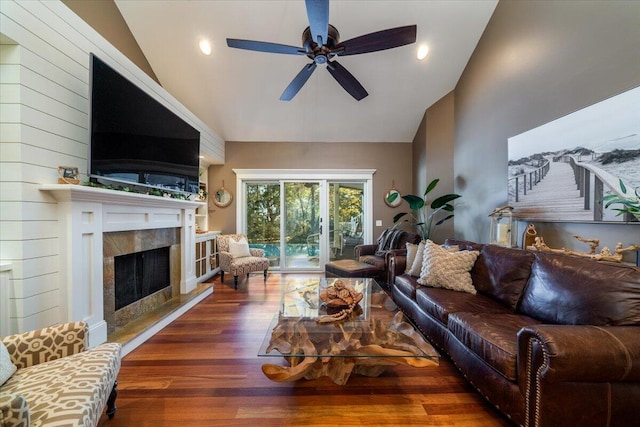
[(137, 140)]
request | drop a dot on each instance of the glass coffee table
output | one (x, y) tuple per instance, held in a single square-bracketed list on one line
[(318, 339)]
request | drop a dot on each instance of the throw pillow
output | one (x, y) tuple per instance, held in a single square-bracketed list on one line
[(7, 368), (416, 265), (239, 249), (412, 249), (450, 270)]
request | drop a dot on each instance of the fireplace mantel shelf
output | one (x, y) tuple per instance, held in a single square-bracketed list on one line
[(83, 193)]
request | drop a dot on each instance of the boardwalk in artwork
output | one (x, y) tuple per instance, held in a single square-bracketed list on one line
[(556, 197)]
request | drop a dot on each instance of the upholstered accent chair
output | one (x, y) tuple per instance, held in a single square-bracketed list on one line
[(56, 380), (238, 259)]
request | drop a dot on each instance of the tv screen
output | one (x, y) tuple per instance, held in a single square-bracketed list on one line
[(135, 139)]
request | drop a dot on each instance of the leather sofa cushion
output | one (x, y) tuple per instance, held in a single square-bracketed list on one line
[(568, 290), (502, 273), (440, 303), (493, 338)]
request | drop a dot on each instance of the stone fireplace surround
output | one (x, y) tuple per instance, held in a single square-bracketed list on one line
[(87, 216), (130, 242)]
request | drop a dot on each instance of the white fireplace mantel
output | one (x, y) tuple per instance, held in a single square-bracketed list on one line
[(84, 214)]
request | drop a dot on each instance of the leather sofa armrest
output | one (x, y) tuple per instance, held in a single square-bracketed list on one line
[(362, 250), (397, 266), (576, 353), (579, 375), (47, 344)]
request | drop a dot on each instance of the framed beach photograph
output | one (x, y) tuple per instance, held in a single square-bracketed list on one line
[(560, 171), (68, 175)]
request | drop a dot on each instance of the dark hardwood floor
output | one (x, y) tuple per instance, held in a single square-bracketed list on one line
[(202, 370)]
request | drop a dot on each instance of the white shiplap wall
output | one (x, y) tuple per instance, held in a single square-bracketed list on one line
[(44, 106)]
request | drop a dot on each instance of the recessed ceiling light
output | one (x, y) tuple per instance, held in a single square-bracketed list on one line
[(423, 50), (205, 46)]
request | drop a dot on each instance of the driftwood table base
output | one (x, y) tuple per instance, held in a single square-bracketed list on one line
[(348, 350)]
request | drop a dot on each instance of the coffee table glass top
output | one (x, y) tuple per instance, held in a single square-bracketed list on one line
[(374, 329)]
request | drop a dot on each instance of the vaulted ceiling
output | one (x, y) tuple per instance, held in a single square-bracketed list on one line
[(236, 92)]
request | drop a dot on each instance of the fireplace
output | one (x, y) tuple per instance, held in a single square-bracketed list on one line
[(96, 225), (140, 274), (141, 270)]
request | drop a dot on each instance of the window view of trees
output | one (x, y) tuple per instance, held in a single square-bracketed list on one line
[(301, 216), (302, 201), (263, 212)]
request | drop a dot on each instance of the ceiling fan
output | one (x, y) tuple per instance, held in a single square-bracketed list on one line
[(321, 43)]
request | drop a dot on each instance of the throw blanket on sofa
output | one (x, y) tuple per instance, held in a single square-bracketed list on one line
[(388, 240)]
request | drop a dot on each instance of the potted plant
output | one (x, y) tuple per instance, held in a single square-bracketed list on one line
[(420, 217), (630, 203)]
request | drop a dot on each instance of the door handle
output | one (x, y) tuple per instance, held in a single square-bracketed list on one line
[(320, 229)]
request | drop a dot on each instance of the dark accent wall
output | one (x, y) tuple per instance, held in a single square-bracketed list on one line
[(433, 158), (538, 61)]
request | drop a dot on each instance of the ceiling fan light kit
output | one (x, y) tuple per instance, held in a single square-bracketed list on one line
[(321, 43)]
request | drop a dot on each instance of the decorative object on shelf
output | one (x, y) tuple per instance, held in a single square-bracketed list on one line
[(630, 203), (604, 255), (68, 175), (202, 192), (420, 217), (339, 296), (396, 199), (223, 197), (503, 227), (529, 236)]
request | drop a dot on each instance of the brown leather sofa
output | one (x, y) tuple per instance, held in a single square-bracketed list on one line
[(550, 340), (391, 242)]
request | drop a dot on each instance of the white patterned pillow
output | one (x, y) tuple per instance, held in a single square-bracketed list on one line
[(414, 268), (7, 368), (239, 249), (412, 250), (445, 269)]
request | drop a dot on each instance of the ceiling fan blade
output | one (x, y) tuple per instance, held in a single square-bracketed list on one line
[(297, 83), (265, 47), (346, 80), (318, 14), (380, 40)]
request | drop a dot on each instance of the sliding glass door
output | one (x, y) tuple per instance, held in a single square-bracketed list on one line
[(303, 223), (302, 233)]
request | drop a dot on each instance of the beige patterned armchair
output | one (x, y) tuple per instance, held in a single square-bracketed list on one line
[(59, 382), (237, 263)]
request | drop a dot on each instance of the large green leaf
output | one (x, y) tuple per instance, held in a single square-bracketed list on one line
[(415, 203), (431, 186), (444, 219), (398, 216), (392, 197), (443, 200), (622, 187)]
